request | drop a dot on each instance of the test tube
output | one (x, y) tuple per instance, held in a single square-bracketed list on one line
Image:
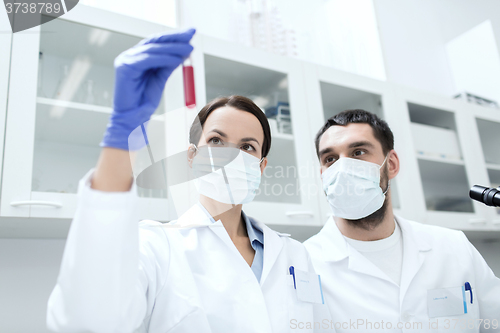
[(188, 75)]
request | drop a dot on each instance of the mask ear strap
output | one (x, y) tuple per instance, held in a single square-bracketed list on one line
[(385, 159), (388, 180), (388, 186)]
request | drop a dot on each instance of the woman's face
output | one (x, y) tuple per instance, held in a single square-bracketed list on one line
[(229, 125)]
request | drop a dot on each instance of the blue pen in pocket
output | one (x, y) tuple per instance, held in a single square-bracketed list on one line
[(469, 288), (292, 273)]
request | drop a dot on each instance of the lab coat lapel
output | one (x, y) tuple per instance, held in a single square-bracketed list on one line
[(333, 244), (194, 217), (415, 244), (220, 231), (272, 248)]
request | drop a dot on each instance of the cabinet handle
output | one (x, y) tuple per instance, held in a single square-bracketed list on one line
[(477, 221), (300, 213), (42, 203)]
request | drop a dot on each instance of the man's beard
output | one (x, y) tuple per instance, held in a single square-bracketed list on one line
[(375, 219)]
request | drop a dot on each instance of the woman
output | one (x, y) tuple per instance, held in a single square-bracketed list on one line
[(228, 273)]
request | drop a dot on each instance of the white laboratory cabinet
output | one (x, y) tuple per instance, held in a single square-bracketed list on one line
[(60, 89)]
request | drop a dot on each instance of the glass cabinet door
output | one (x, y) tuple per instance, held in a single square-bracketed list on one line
[(269, 90), (440, 159), (62, 80), (287, 193)]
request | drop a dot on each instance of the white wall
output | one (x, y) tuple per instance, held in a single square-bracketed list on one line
[(28, 272), (414, 33)]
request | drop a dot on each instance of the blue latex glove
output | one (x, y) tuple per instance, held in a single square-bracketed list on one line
[(141, 74)]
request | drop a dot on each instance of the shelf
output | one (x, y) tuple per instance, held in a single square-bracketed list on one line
[(440, 159), (62, 105), (493, 166), (282, 136), (337, 99)]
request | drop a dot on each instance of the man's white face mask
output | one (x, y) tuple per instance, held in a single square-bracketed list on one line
[(352, 188), (234, 182)]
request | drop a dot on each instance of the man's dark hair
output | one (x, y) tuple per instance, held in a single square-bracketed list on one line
[(238, 102), (381, 130)]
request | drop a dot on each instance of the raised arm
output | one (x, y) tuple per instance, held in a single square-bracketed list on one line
[(107, 278)]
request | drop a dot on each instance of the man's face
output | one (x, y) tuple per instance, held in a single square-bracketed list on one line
[(358, 141)]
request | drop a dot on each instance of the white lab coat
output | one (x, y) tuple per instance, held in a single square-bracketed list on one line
[(121, 276), (433, 257)]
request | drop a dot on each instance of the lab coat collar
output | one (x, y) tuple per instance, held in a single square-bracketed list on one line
[(422, 240), (333, 243), (336, 248), (196, 216)]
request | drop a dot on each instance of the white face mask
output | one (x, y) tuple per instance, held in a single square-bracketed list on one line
[(242, 179), (352, 188)]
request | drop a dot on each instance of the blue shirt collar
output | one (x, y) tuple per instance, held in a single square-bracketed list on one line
[(254, 234)]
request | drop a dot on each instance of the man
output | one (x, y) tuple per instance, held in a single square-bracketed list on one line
[(382, 273)]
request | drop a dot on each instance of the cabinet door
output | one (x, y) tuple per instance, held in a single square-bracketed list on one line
[(20, 132), (288, 193), (5, 46), (61, 91)]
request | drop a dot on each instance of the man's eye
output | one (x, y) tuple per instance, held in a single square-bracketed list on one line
[(329, 160), (359, 153)]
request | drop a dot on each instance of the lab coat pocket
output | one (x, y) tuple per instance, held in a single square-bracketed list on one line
[(445, 321), (300, 313)]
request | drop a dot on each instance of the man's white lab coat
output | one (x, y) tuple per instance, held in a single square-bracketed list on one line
[(359, 293)]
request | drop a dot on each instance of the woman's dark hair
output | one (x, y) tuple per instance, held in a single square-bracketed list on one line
[(238, 102), (381, 130)]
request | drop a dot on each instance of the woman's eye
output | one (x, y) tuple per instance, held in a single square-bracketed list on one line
[(215, 141), (247, 147)]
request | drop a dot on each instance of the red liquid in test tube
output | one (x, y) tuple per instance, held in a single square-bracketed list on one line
[(189, 93)]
